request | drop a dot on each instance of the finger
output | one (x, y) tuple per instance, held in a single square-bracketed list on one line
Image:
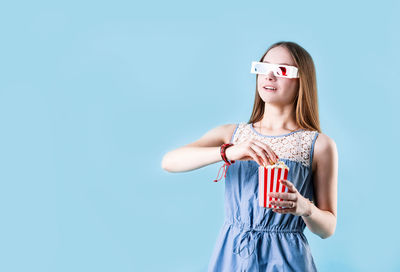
[(260, 152), (284, 204), (267, 150), (274, 155), (284, 196), (289, 185), (285, 210), (255, 157)]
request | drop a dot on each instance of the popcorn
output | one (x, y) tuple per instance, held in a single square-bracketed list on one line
[(268, 182)]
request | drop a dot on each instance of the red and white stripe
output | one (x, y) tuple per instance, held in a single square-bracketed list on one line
[(268, 181)]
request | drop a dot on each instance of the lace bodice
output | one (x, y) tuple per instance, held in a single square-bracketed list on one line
[(295, 146)]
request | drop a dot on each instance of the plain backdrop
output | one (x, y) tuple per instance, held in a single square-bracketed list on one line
[(94, 93)]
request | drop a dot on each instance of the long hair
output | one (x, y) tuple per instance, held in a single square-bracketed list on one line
[(306, 100)]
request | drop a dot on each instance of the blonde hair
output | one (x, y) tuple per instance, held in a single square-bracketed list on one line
[(306, 100)]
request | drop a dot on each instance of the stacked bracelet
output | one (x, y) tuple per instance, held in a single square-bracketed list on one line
[(224, 158), (223, 155)]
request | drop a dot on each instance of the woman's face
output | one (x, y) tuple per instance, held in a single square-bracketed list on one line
[(286, 88)]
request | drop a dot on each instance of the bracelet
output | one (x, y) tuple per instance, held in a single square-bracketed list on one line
[(227, 162), (223, 155)]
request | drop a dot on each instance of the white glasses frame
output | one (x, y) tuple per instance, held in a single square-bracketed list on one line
[(278, 69)]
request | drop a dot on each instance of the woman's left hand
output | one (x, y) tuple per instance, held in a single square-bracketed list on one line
[(293, 202)]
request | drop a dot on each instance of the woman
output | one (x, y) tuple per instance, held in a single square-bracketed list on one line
[(284, 126)]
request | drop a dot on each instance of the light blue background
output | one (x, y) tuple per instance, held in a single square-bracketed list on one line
[(94, 93)]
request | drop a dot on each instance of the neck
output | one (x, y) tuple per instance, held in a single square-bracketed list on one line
[(278, 118)]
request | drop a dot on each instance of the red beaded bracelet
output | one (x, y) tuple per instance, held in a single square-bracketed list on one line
[(223, 155), (224, 158)]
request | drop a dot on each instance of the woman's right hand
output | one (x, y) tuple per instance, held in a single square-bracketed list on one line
[(252, 149)]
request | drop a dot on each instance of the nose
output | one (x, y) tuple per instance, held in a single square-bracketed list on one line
[(270, 75)]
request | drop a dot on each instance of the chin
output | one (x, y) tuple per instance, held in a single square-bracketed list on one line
[(271, 100)]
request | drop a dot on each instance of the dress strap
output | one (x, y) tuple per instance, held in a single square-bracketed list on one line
[(312, 147)]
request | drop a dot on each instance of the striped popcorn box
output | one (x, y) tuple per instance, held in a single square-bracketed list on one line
[(268, 181)]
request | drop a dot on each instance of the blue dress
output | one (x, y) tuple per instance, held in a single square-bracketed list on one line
[(253, 238)]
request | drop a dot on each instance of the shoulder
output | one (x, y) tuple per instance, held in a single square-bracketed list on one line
[(324, 142), (228, 131), (223, 132), (216, 136), (324, 148)]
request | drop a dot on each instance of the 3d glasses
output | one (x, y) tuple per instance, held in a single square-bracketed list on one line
[(264, 68)]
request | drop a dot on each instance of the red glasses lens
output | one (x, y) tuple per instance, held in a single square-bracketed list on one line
[(282, 71)]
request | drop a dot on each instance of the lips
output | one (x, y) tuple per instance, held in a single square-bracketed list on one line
[(268, 87)]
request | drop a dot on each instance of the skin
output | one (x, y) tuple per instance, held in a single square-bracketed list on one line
[(279, 118)]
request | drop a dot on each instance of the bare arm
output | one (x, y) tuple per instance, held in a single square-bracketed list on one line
[(322, 220), (200, 153)]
